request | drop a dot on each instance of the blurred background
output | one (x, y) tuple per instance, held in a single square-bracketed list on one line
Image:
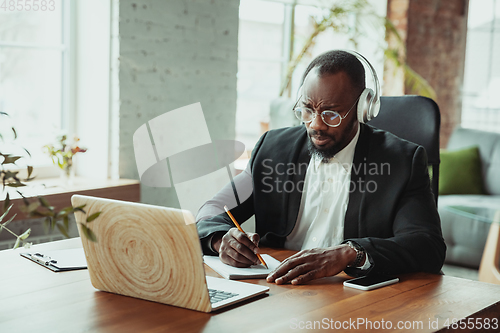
[(101, 69)]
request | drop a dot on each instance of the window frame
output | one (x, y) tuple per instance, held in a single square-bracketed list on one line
[(68, 87), (472, 115)]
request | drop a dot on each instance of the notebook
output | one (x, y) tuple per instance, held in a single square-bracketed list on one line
[(153, 253), (235, 273)]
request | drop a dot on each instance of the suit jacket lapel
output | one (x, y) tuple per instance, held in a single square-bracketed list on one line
[(352, 221), (301, 160)]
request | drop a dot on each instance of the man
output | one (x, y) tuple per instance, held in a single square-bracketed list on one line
[(348, 196)]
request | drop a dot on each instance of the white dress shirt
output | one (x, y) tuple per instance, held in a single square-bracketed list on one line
[(320, 222)]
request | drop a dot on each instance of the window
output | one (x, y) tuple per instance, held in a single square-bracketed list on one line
[(34, 57), (480, 103), (260, 62), (264, 43)]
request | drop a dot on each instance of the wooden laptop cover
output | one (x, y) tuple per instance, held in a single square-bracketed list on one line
[(144, 251)]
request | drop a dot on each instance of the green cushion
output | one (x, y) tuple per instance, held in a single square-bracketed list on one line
[(460, 172)]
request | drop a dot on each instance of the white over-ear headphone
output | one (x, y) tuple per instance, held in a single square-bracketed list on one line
[(369, 100)]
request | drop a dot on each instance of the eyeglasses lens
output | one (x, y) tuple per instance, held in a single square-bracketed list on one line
[(331, 118)]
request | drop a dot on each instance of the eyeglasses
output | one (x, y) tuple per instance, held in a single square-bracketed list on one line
[(330, 117)]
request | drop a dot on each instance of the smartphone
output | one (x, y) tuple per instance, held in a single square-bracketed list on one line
[(370, 282)]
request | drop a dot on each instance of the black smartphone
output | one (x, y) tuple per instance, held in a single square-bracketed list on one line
[(370, 282)]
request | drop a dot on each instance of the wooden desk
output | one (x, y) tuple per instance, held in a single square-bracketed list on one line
[(34, 299)]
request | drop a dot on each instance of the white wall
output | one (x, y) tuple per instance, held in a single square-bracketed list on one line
[(174, 53), (136, 60)]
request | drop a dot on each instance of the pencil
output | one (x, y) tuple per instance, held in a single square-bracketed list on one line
[(239, 228)]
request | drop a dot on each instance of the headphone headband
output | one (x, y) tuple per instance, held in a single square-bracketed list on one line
[(369, 100), (369, 104)]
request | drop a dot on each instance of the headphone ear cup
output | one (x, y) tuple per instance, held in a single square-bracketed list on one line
[(364, 105)]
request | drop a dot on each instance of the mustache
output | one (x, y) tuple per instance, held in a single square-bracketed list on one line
[(316, 134)]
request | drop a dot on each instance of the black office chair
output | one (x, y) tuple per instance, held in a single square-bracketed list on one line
[(416, 119)]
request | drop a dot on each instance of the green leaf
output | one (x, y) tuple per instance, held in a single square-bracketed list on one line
[(25, 234), (7, 222), (6, 212), (45, 203), (18, 242), (66, 222), (15, 185), (46, 224), (30, 170), (66, 210), (11, 174), (93, 216), (38, 213), (6, 203), (89, 234), (27, 152), (33, 206), (80, 209), (24, 208), (10, 159), (63, 230)]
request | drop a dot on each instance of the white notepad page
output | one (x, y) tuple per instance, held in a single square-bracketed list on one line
[(235, 273)]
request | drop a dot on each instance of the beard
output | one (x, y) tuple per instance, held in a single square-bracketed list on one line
[(324, 154)]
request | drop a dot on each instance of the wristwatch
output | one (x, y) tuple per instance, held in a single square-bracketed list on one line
[(360, 253)]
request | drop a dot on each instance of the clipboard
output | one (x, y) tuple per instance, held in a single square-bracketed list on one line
[(59, 260)]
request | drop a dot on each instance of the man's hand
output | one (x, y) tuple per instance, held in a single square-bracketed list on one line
[(236, 249), (308, 265)]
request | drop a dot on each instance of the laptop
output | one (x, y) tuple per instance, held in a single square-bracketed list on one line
[(152, 253)]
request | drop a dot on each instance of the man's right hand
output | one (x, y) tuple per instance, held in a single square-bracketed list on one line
[(237, 249)]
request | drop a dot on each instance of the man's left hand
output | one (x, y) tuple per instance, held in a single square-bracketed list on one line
[(308, 265)]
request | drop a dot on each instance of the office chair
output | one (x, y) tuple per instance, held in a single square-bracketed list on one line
[(416, 119)]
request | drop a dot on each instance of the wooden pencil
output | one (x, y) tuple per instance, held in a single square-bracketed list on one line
[(239, 228)]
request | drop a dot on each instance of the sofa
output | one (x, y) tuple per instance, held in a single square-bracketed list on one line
[(465, 237)]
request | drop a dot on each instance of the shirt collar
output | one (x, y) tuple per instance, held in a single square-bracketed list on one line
[(343, 157)]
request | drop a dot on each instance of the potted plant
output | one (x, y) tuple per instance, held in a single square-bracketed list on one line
[(62, 156), (32, 207)]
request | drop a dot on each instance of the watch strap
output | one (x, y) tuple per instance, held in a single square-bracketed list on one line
[(360, 253)]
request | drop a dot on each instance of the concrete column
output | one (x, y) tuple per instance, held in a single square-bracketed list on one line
[(174, 53), (434, 32)]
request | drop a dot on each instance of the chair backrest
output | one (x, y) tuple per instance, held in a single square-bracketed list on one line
[(416, 119)]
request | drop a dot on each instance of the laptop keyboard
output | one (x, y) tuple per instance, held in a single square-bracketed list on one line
[(219, 295)]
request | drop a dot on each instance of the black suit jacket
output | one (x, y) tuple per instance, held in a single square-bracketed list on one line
[(391, 211)]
